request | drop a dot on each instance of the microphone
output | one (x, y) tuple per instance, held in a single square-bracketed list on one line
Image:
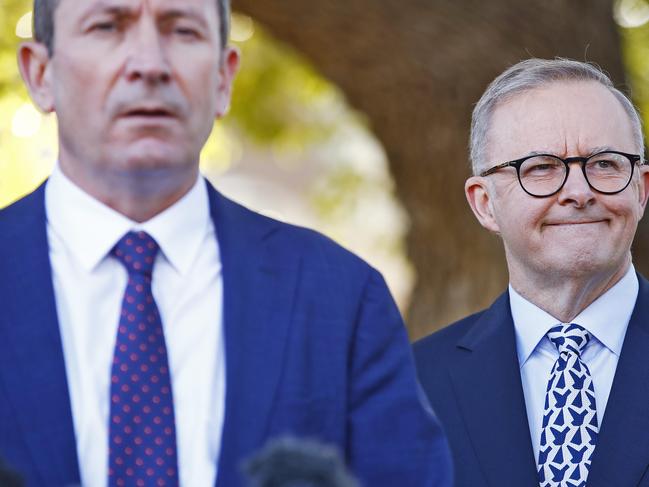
[(292, 462)]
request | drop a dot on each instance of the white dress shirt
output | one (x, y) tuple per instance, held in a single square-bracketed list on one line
[(187, 285), (606, 319)]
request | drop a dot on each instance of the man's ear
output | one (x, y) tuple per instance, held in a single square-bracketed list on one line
[(480, 200), (35, 67), (227, 70)]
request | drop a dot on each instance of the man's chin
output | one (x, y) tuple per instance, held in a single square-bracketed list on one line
[(581, 264), (153, 155)]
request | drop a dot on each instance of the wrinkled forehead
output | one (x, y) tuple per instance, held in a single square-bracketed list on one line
[(71, 11), (565, 118)]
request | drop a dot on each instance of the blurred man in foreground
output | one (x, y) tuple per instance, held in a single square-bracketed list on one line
[(154, 332), (548, 385)]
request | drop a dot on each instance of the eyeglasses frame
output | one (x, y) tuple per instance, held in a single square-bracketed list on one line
[(517, 163)]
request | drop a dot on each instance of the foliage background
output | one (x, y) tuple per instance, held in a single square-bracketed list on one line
[(292, 147)]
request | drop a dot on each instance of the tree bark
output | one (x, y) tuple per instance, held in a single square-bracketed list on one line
[(416, 68)]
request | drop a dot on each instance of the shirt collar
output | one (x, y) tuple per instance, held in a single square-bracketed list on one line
[(606, 318), (72, 215)]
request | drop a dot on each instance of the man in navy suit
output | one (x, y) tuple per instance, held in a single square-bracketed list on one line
[(548, 385), (153, 332)]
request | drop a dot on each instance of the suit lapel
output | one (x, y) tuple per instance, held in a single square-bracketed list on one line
[(622, 452), (257, 300), (486, 378), (32, 368)]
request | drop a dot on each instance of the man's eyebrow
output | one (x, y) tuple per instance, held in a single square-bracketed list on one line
[(107, 8), (539, 152), (590, 152), (603, 148), (115, 9), (187, 13)]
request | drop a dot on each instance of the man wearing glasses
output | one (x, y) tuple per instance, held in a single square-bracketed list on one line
[(549, 386)]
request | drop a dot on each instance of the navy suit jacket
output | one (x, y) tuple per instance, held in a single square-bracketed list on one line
[(471, 374), (315, 347)]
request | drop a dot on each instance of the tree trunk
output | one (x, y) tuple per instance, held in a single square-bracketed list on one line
[(415, 69)]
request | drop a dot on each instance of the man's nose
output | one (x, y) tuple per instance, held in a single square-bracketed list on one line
[(576, 190), (147, 59)]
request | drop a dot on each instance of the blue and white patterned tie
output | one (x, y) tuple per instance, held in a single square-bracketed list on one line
[(569, 431)]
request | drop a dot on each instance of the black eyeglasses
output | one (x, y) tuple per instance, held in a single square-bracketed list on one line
[(542, 175)]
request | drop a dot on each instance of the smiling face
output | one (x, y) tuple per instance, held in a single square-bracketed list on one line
[(136, 86), (576, 232)]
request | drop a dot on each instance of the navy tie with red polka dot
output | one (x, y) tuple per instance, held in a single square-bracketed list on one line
[(142, 435)]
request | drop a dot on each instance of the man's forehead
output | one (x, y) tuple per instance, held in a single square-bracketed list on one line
[(560, 117), (204, 8), (554, 95)]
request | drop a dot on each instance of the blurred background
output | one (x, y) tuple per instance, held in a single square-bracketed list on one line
[(352, 117)]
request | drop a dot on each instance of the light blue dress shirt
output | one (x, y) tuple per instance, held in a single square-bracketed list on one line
[(606, 319)]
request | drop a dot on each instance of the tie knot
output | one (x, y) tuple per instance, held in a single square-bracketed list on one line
[(136, 251), (569, 337)]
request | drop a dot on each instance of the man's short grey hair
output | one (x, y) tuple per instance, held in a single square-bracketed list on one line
[(535, 73)]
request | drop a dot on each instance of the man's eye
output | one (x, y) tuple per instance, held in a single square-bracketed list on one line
[(542, 167), (104, 26), (186, 32)]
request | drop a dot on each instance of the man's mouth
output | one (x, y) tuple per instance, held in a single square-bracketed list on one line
[(574, 222), (148, 113), (152, 112)]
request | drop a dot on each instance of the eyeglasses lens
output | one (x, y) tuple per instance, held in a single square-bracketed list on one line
[(606, 172)]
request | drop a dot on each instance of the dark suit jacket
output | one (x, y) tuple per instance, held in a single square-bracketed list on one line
[(314, 347), (471, 374)]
